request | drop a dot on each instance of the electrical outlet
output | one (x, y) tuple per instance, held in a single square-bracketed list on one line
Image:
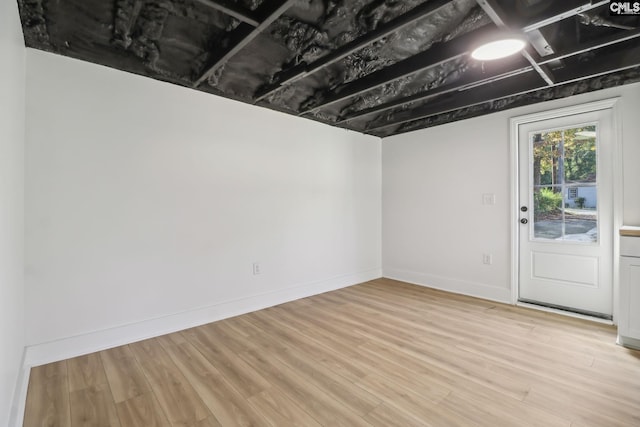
[(256, 268), (487, 259)]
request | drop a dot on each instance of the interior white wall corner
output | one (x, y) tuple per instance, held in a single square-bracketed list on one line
[(12, 123), (435, 226), (148, 203)]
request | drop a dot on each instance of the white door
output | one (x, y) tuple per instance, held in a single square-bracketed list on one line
[(566, 213)]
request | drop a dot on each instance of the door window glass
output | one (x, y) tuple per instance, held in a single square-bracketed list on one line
[(564, 190)]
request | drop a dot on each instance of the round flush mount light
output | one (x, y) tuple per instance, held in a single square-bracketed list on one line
[(497, 49)]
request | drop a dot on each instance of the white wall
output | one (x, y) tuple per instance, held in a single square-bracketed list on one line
[(12, 69), (147, 203), (435, 227)]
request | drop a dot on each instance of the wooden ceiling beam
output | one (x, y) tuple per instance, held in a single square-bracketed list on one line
[(303, 70), (242, 36)]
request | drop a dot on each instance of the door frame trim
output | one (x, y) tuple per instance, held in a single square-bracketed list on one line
[(514, 126)]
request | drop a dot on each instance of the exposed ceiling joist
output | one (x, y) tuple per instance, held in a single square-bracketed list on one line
[(592, 45), (542, 70), (492, 9), (540, 43), (436, 55), (338, 52), (473, 79), (609, 63), (498, 74), (479, 95), (515, 86), (303, 70), (232, 9), (497, 15), (563, 10), (242, 36)]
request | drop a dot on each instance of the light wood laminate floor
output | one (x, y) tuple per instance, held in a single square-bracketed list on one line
[(383, 353)]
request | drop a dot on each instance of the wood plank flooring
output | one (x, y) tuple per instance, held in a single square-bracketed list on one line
[(383, 353)]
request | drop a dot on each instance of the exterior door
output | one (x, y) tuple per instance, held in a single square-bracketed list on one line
[(566, 213)]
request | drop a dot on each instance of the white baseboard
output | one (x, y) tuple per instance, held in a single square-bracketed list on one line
[(474, 289), (66, 348), (628, 342), (16, 416)]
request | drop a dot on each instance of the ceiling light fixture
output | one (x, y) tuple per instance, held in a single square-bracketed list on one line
[(497, 49)]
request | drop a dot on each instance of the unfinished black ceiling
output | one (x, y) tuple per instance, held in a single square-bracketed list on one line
[(380, 67)]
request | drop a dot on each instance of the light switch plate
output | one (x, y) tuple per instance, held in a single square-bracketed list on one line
[(488, 199)]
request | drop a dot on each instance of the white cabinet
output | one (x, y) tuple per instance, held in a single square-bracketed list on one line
[(629, 317)]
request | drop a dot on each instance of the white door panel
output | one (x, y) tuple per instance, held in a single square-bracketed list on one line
[(566, 200), (569, 269)]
